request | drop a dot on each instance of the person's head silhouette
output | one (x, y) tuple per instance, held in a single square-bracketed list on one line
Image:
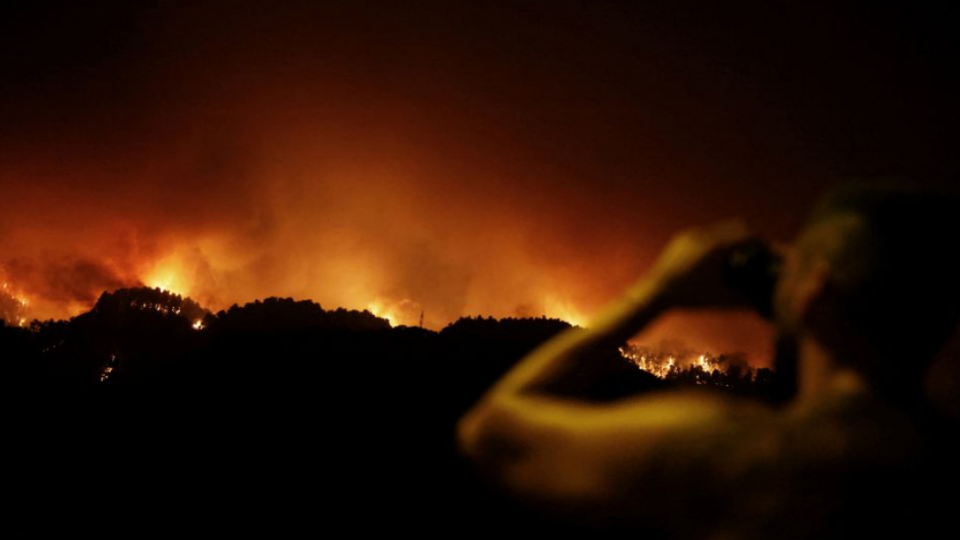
[(873, 280), (863, 300)]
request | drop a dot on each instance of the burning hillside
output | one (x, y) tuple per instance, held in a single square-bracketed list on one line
[(13, 307)]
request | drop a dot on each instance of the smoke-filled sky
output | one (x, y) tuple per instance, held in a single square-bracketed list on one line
[(459, 158)]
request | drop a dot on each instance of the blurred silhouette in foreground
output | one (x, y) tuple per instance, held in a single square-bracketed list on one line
[(863, 300)]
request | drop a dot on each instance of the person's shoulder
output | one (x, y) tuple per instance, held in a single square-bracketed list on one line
[(710, 434), (705, 454), (853, 431)]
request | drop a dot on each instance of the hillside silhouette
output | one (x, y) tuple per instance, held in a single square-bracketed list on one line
[(339, 398)]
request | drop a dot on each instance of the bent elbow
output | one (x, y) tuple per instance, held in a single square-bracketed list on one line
[(471, 430), (536, 466), (484, 436)]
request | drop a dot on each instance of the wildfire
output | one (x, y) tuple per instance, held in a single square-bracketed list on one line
[(166, 282), (705, 363), (198, 325), (398, 313), (170, 275), (564, 311), (662, 364), (380, 310), (13, 305), (111, 365)]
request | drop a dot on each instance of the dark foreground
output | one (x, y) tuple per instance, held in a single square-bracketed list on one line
[(278, 417)]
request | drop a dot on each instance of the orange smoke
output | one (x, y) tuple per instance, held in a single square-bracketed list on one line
[(382, 228), (360, 157)]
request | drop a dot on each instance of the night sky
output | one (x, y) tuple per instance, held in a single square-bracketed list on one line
[(460, 158)]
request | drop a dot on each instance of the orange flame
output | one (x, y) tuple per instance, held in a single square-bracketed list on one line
[(662, 364)]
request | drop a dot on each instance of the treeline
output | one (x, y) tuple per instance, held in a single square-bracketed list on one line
[(145, 337), (335, 398)]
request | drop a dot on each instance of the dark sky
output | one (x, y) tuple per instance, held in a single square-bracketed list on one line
[(504, 158)]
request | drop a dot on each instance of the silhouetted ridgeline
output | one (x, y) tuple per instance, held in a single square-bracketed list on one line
[(337, 398), (151, 338)]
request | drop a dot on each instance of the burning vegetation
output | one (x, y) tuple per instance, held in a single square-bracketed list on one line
[(149, 336), (13, 306), (678, 365)]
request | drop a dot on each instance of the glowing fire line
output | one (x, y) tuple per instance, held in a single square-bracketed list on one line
[(21, 303), (662, 364)]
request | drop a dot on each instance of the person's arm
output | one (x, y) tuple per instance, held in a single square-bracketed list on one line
[(688, 274), (583, 457)]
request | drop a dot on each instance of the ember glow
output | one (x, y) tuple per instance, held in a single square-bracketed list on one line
[(13, 305), (663, 363), (420, 162), (109, 367), (405, 312)]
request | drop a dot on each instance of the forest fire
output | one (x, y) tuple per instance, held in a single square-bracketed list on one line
[(377, 308), (683, 366), (13, 305), (405, 312), (477, 260), (253, 177), (664, 363), (167, 275)]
